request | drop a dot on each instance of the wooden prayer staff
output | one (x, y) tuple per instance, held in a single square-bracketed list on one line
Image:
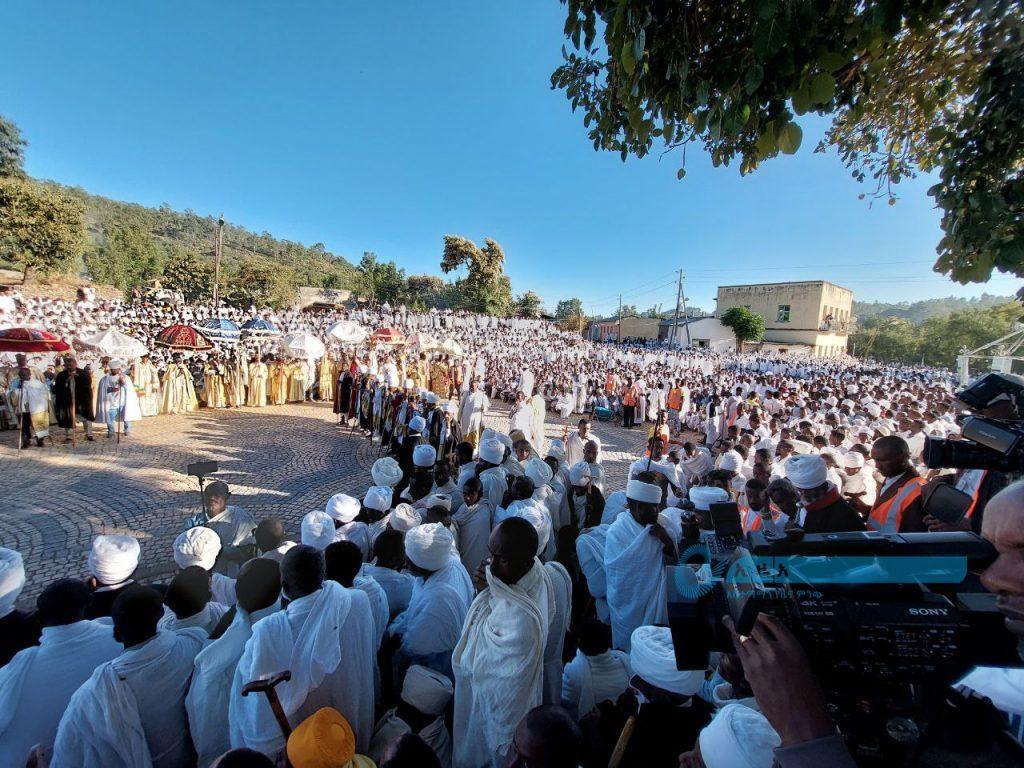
[(267, 685), (620, 745)]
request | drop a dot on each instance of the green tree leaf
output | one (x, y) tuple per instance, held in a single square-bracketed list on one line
[(789, 138)]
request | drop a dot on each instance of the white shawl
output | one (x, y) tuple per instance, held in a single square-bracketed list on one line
[(634, 567), (590, 552)]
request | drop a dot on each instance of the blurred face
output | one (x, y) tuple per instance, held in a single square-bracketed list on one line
[(584, 430), (590, 453), (470, 498), (887, 461), (506, 564), (1003, 526), (756, 497)]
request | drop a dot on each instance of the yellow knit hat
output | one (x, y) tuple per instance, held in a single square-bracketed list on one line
[(325, 740)]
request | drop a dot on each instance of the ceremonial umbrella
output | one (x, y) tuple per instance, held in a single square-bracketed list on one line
[(259, 327), (451, 346), (113, 343), (220, 329), (388, 336), (183, 337), (302, 344), (347, 332), (30, 340), (424, 342)]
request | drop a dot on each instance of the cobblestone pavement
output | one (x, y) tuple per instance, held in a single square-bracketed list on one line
[(279, 461)]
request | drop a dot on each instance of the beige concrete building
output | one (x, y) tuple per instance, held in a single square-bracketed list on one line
[(811, 317), (633, 327)]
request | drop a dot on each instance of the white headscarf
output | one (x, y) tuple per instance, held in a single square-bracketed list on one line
[(385, 471), (429, 546), (12, 579), (538, 471), (806, 472), (427, 690), (343, 508), (113, 558), (652, 657), (197, 546), (404, 517), (378, 498), (424, 456), (738, 737), (317, 529)]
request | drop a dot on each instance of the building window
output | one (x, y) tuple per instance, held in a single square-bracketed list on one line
[(783, 316)]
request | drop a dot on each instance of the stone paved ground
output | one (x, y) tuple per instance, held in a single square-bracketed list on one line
[(279, 461)]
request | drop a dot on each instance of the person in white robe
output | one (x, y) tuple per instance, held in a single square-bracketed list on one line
[(344, 562), (522, 417), (590, 553), (597, 673), (472, 520), (490, 472), (576, 444), (117, 403), (131, 712), (430, 626), (30, 401), (424, 698), (200, 546), (147, 382), (471, 413), (259, 590), (234, 526), (189, 603), (539, 408), (37, 684), (499, 663), (638, 547), (858, 481), (325, 639), (388, 568)]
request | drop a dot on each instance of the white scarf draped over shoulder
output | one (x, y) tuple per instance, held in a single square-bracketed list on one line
[(635, 573), (499, 665)]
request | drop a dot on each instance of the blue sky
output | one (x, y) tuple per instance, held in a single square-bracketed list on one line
[(383, 126)]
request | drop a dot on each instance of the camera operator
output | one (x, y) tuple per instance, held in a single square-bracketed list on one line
[(982, 484), (790, 697)]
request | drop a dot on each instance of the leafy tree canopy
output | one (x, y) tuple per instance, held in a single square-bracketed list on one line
[(527, 305), (12, 149), (569, 308), (381, 281), (747, 325), (41, 229), (910, 87), (486, 288), (187, 273), (128, 257)]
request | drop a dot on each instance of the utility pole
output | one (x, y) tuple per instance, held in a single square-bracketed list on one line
[(686, 322), (216, 261), (675, 324), (618, 332)]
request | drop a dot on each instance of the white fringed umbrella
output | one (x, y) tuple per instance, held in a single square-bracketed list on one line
[(303, 345), (115, 344)]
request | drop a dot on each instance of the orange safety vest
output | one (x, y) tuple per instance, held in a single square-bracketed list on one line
[(629, 396), (675, 399), (887, 516), (609, 384)]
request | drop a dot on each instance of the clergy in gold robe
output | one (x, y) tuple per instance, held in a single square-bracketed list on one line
[(179, 391), (258, 375), (296, 382), (440, 379), (278, 383), (238, 379), (214, 391), (147, 386), (327, 376)]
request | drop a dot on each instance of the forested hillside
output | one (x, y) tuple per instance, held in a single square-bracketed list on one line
[(919, 311)]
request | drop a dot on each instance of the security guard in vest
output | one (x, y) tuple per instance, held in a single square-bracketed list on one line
[(898, 507)]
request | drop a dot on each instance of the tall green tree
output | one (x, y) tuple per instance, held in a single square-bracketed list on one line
[(41, 228), (127, 257), (260, 282), (486, 287), (891, 339), (381, 281), (527, 305), (568, 308), (746, 325), (12, 149), (184, 271), (908, 86)]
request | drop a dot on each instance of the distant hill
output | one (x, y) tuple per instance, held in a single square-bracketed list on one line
[(919, 311), (186, 231)]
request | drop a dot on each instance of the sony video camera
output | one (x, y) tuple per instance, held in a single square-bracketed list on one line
[(887, 621), (986, 444)]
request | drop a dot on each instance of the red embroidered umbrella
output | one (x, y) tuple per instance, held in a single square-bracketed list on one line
[(30, 340), (387, 336), (183, 337)]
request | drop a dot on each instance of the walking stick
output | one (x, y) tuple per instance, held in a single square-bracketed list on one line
[(267, 685), (620, 746), (71, 382)]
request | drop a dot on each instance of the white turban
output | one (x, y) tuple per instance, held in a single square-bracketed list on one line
[(801, 447), (343, 508), (492, 451), (537, 517), (378, 498), (12, 579), (853, 460), (874, 411), (386, 471), (424, 455), (649, 493), (115, 364), (417, 424), (429, 546), (557, 449), (317, 529), (430, 398), (765, 443), (703, 496), (731, 461), (197, 546), (738, 737), (652, 658), (806, 472), (579, 472), (504, 439), (538, 471), (404, 518), (427, 690), (438, 500), (113, 558)]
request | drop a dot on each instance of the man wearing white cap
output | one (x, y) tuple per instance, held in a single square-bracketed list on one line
[(317, 529), (410, 441), (385, 471), (425, 696), (824, 509), (430, 626), (344, 510), (637, 549), (737, 737), (17, 629), (493, 477), (423, 457), (117, 403), (499, 660), (112, 561), (858, 481), (200, 546)]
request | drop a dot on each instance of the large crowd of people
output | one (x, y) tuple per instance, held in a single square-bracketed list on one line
[(493, 598)]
